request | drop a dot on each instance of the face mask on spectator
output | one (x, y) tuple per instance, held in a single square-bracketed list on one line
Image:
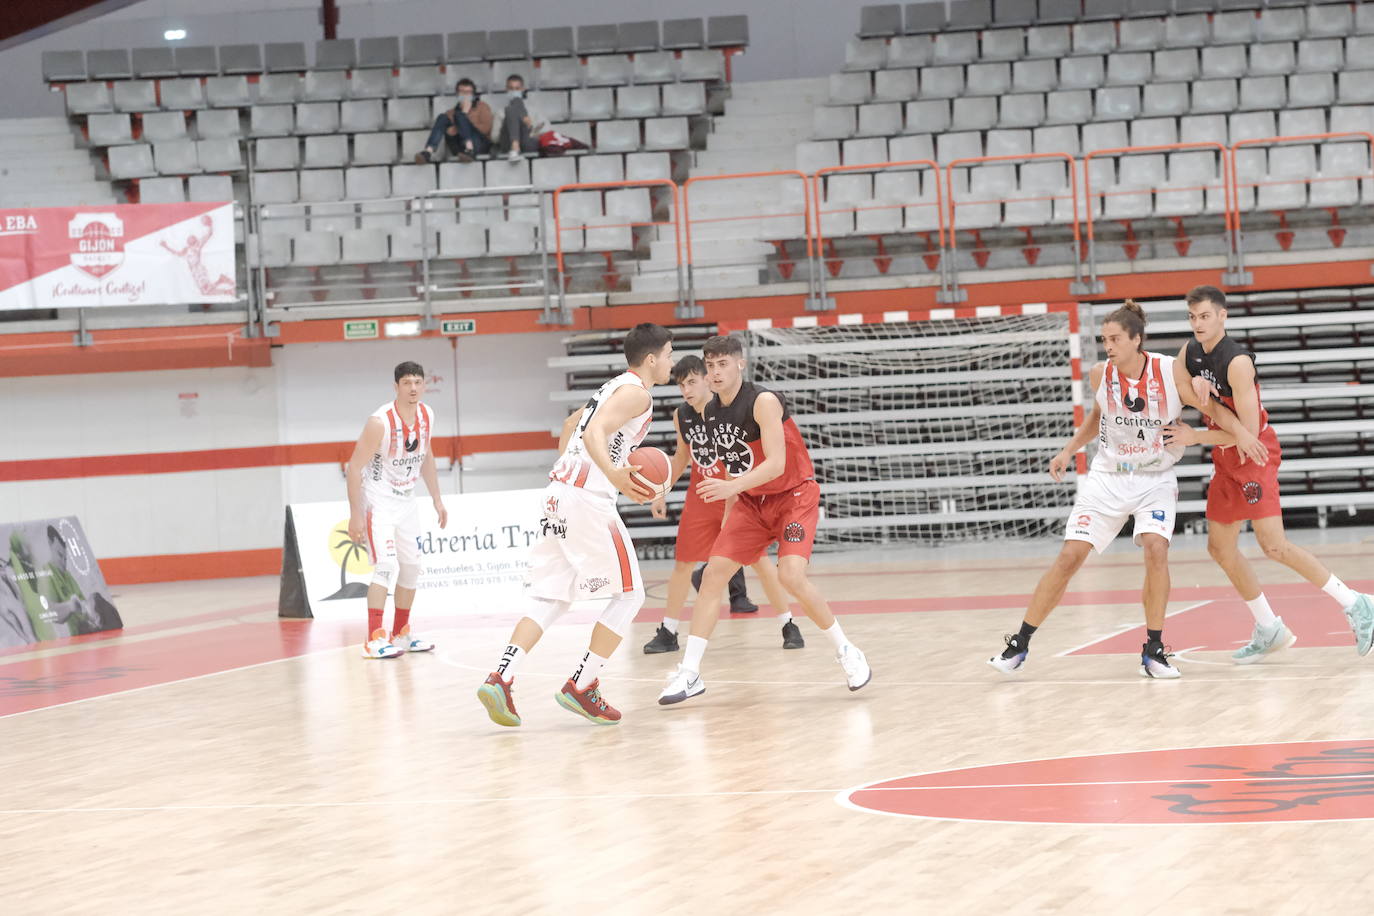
[(516, 93), (464, 98)]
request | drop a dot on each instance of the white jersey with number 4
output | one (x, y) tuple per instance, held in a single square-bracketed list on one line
[(395, 466), (1134, 410), (576, 468)]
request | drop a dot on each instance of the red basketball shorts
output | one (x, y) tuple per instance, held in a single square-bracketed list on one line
[(1239, 492), (755, 522)]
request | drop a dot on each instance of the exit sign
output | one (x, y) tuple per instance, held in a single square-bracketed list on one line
[(459, 326), (360, 330)]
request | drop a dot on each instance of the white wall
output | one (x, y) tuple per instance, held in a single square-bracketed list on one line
[(788, 38), (316, 393)]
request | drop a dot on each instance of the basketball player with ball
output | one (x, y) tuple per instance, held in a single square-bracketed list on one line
[(769, 472), (584, 552), (700, 522), (390, 456)]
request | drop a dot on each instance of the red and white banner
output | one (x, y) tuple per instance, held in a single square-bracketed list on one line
[(121, 254)]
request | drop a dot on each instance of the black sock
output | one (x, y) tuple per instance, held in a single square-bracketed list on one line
[(1021, 641), (1154, 635)]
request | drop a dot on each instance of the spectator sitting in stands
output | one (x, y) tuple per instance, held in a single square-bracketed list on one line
[(466, 127), (520, 126)]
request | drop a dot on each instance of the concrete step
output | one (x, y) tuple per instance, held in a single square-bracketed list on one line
[(776, 120), (779, 89), (722, 141), (49, 161), (708, 250), (709, 278), (34, 144), (735, 161), (28, 127)]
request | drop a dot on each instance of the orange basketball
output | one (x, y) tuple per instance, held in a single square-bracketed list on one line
[(654, 469)]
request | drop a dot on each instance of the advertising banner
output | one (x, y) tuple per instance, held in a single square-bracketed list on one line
[(126, 254), (50, 584)]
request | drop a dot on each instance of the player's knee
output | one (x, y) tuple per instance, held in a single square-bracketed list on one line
[(384, 573), (544, 612), (407, 575), (620, 611), (1219, 550), (1276, 549), (1156, 550), (793, 578)]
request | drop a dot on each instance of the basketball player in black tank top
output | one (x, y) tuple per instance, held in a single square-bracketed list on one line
[(1239, 492)]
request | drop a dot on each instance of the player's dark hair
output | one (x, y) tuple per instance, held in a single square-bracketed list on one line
[(1206, 294), (686, 366), (644, 340), (1131, 318), (517, 77), (723, 345), (458, 87), (409, 368)]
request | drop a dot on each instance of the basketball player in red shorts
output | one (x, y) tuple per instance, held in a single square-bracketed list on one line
[(701, 521), (769, 471), (1239, 492)]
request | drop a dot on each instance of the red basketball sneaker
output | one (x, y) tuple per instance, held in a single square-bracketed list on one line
[(495, 696), (588, 704)]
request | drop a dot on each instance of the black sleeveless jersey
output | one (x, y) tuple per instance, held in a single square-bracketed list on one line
[(1215, 367)]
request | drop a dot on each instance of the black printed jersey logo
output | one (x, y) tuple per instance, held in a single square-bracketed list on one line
[(732, 450), (699, 444), (412, 444)]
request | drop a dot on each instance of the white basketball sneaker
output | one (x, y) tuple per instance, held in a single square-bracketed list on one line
[(405, 642), (379, 645), (1012, 658), (856, 669), (1265, 641), (1154, 662), (682, 685)]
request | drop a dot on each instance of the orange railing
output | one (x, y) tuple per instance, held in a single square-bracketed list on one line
[(1226, 183), (675, 220), (818, 226), (692, 310), (973, 161), (1083, 225)]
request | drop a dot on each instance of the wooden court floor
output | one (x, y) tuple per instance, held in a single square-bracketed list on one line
[(212, 759)]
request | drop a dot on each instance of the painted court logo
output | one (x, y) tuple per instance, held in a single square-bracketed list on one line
[(99, 241), (1240, 784)]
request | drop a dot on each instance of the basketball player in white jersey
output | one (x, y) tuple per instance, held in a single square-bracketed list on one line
[(584, 552), (1138, 393), (391, 455)]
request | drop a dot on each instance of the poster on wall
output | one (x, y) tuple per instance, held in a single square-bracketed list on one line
[(50, 584), (120, 254), (475, 566)]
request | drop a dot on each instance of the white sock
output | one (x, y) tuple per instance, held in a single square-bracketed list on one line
[(836, 636), (670, 624), (696, 649), (589, 670), (784, 618), (1345, 596), (510, 659), (1264, 615)]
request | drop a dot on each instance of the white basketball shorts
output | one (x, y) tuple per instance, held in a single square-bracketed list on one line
[(584, 551), (393, 531), (1106, 500)]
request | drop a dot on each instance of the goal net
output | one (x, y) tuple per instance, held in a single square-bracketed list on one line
[(926, 431)]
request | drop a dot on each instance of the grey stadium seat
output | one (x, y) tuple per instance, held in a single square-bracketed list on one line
[(280, 88), (176, 157), (182, 94), (154, 62), (370, 84), (911, 51), (638, 101), (623, 136), (235, 59), (665, 134), (271, 120), (319, 118), (420, 50), (336, 54), (379, 52), (727, 32), (956, 48), (608, 70), (227, 92), (596, 39), (469, 47), (218, 123), (1311, 90), (134, 160), (508, 44), (654, 67), (210, 188), (373, 149), (554, 41), (1021, 110), (272, 154), (88, 98), (109, 65), (636, 37), (924, 18), (895, 85), (196, 60), (591, 104), (281, 56), (325, 86), (63, 66), (701, 65), (327, 152), (109, 129), (408, 114), (164, 125), (135, 95), (161, 191), (882, 21), (356, 116), (219, 154)]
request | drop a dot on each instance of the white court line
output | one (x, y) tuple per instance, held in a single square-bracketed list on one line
[(1128, 628), (1136, 679), (646, 796), (180, 680)]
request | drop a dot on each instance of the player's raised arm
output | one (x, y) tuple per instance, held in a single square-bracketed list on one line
[(569, 425), (1092, 423), (626, 403), (368, 444)]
